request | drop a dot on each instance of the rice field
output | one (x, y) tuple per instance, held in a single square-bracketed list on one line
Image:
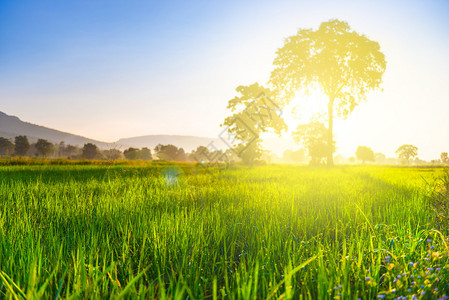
[(193, 232)]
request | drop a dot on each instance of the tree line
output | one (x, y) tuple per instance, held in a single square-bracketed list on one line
[(405, 154), (42, 148)]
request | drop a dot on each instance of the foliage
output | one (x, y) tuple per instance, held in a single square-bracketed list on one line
[(249, 153), (90, 151), (134, 154), (6, 146), (175, 232), (203, 154), (112, 154), (255, 111), (364, 154), (407, 151), (131, 153), (21, 145), (444, 158), (341, 63), (69, 150), (314, 137), (170, 153), (145, 154), (44, 148)]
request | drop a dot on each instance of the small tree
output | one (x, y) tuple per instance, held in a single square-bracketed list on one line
[(44, 148), (444, 158), (90, 151), (70, 151), (407, 151), (201, 154), (131, 153), (314, 137), (255, 111), (112, 154), (145, 154), (21, 146), (170, 153), (364, 154), (6, 146), (380, 158)]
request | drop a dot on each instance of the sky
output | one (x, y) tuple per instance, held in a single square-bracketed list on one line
[(113, 69)]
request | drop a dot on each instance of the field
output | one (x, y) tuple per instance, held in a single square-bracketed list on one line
[(238, 233)]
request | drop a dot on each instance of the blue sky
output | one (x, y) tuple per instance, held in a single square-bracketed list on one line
[(112, 69)]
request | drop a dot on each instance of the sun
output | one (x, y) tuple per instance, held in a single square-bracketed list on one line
[(304, 108)]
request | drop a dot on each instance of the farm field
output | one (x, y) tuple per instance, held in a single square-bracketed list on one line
[(190, 232)]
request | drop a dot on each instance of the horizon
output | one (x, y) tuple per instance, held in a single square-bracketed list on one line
[(169, 69)]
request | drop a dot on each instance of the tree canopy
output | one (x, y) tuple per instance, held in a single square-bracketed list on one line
[(135, 153), (90, 151), (21, 145), (364, 154), (170, 153), (407, 151), (145, 154), (255, 111), (44, 148), (444, 158), (6, 146), (131, 153)]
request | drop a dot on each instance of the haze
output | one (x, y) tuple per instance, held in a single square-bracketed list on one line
[(113, 69)]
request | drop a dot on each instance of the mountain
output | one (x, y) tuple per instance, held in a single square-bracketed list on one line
[(11, 126)]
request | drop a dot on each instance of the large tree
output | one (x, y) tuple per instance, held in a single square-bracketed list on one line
[(255, 111), (341, 63)]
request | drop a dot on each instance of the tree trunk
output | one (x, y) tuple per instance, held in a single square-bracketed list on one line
[(330, 156)]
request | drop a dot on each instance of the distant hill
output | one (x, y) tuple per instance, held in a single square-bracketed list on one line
[(11, 126)]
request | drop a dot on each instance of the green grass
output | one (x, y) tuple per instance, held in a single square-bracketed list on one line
[(242, 233)]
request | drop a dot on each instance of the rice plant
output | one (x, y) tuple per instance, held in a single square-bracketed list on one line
[(195, 232)]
